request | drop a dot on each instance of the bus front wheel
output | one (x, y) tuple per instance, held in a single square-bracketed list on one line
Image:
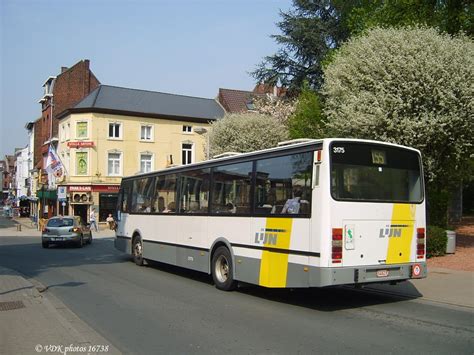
[(223, 270), (137, 251)]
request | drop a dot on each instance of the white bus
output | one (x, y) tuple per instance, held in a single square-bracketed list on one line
[(309, 214)]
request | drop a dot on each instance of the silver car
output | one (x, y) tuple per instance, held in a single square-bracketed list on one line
[(66, 230)]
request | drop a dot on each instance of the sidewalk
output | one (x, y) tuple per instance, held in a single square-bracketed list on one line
[(447, 286), (32, 322)]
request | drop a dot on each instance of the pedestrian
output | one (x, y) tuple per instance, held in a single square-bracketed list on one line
[(110, 220), (92, 220)]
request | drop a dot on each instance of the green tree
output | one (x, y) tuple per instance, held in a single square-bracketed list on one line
[(313, 29), (409, 86), (307, 121), (309, 31), (451, 16), (245, 132)]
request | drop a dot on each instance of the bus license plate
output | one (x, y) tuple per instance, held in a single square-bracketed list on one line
[(382, 273)]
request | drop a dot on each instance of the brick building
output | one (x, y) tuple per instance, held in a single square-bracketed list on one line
[(61, 92)]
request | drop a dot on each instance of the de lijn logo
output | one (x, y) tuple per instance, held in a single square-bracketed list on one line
[(391, 231), (268, 236)]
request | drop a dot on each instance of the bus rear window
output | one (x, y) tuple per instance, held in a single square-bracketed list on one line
[(375, 173)]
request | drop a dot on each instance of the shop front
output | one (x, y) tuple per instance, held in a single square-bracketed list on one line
[(82, 198), (47, 201)]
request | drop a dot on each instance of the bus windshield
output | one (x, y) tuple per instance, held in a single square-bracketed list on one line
[(375, 173)]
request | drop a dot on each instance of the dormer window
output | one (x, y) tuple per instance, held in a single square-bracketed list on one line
[(250, 106), (49, 86)]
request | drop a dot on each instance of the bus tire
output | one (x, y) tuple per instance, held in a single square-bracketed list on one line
[(137, 251), (223, 269)]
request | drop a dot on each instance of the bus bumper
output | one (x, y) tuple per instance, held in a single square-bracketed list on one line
[(320, 277)]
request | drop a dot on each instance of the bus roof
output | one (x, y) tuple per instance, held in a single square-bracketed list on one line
[(299, 145)]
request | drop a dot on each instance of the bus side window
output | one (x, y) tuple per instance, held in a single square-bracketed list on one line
[(283, 185), (231, 189), (126, 196), (165, 194), (194, 195)]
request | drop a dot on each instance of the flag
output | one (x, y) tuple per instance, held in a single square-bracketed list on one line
[(53, 163)]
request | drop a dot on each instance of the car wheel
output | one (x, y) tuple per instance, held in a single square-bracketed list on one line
[(137, 251), (223, 270), (45, 244), (80, 243)]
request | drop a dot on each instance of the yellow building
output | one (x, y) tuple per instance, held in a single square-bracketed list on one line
[(116, 132)]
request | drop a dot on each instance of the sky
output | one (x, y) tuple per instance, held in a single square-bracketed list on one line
[(187, 47)]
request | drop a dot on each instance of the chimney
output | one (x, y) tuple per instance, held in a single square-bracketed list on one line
[(63, 69)]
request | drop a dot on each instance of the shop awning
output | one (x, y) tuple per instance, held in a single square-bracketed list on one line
[(47, 194)]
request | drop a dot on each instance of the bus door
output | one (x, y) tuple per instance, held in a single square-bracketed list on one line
[(193, 204), (283, 194)]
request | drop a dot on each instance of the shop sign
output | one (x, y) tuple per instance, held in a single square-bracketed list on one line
[(106, 188), (81, 144), (62, 193), (80, 188)]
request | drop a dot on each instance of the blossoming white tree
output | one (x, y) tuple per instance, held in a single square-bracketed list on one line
[(279, 108), (245, 132), (411, 86)]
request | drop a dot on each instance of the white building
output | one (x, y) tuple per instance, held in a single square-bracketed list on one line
[(21, 175), (32, 171)]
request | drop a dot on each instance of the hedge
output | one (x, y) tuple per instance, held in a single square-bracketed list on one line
[(436, 241)]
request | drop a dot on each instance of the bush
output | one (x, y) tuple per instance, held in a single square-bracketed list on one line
[(436, 241), (245, 132), (437, 206)]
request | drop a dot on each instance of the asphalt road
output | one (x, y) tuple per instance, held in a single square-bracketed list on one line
[(162, 309)]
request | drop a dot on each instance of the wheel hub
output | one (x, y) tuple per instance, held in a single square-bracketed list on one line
[(222, 268)]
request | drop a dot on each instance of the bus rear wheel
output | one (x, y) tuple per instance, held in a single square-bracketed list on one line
[(137, 252), (223, 270)]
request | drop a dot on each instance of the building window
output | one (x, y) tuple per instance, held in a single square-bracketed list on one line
[(114, 160), (250, 106), (115, 130), (146, 133), (186, 153), (81, 130), (81, 163), (187, 129), (68, 129), (146, 162)]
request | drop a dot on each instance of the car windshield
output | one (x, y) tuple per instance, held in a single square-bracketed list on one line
[(60, 222)]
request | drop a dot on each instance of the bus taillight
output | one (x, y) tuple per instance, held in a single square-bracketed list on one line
[(420, 243), (337, 245)]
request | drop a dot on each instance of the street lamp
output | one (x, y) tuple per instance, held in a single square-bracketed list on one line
[(203, 131)]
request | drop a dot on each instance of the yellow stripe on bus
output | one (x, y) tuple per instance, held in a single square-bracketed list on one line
[(399, 246), (274, 266)]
